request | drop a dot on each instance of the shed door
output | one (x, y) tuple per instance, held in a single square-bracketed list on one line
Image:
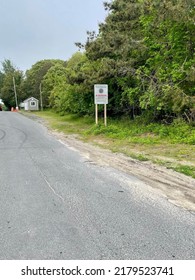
[(26, 105)]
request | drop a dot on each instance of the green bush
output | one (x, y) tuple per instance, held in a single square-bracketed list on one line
[(136, 132)]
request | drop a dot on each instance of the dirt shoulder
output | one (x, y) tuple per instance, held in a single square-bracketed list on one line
[(177, 188)]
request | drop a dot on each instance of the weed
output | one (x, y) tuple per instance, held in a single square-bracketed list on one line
[(140, 157), (185, 169)]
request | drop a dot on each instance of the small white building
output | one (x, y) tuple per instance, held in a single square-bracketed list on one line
[(31, 104)]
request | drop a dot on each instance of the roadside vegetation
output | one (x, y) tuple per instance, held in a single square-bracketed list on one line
[(168, 145), (145, 53)]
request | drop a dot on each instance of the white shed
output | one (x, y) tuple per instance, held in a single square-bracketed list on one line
[(31, 104)]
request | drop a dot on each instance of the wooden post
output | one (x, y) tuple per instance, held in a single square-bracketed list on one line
[(96, 113), (105, 115)]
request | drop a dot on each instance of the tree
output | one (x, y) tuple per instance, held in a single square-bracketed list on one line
[(35, 76), (70, 92), (8, 66), (1, 80), (6, 84), (119, 49), (167, 78), (145, 50), (54, 78)]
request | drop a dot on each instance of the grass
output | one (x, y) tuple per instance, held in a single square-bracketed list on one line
[(69, 124), (185, 169), (170, 145)]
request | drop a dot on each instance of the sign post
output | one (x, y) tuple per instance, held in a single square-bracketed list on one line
[(101, 97), (105, 115), (96, 113)]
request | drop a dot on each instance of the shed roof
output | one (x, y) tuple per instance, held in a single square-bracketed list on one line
[(30, 98)]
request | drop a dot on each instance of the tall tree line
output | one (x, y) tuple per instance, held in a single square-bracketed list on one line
[(144, 51)]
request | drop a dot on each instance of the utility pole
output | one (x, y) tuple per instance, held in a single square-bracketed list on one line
[(16, 99), (41, 99)]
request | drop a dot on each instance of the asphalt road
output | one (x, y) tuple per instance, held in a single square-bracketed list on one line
[(54, 204)]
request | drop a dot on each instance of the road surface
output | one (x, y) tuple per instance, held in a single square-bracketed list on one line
[(55, 204)]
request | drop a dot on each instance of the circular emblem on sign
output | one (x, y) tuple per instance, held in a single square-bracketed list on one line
[(101, 90)]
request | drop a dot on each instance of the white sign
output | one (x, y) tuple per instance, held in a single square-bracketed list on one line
[(101, 94)]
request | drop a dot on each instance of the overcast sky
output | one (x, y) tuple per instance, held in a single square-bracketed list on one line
[(32, 30)]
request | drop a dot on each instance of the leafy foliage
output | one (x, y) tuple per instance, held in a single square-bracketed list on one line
[(9, 71), (144, 51), (167, 85), (34, 77)]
